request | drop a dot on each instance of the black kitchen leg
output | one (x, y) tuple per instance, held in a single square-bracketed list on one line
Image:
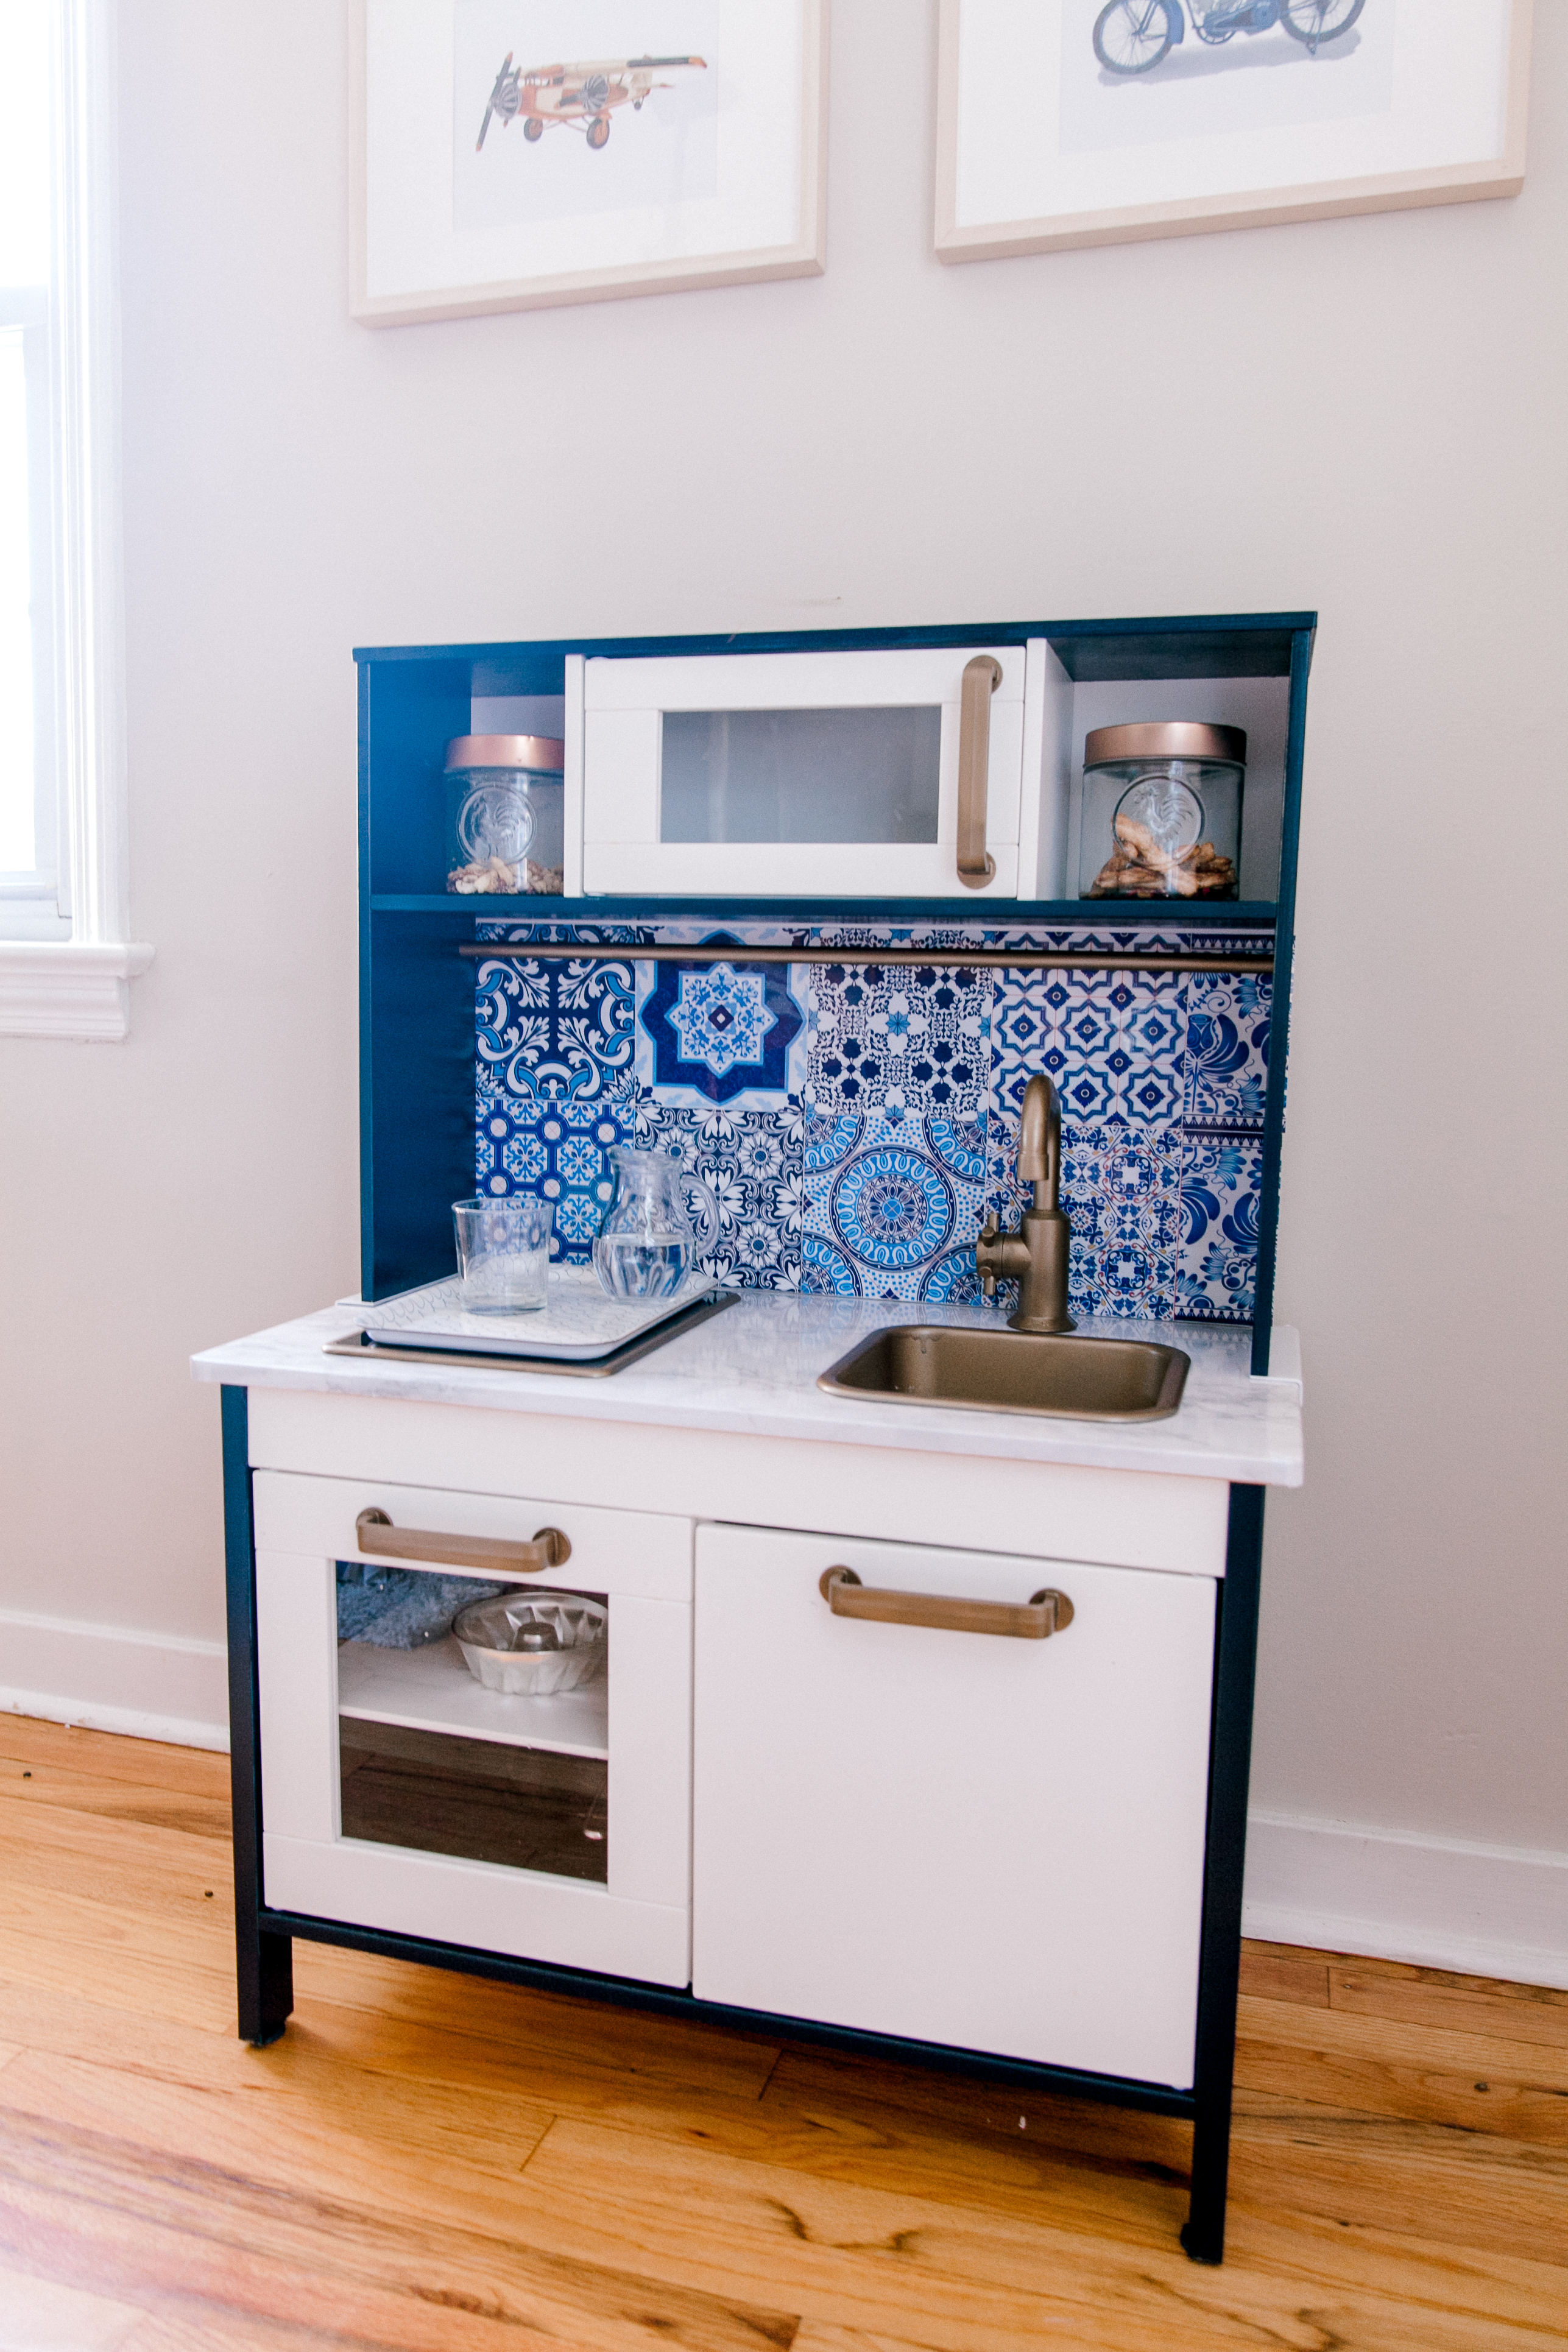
[(1219, 1966), (264, 1963), (265, 1967)]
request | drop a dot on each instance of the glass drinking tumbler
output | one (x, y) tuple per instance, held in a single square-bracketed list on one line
[(503, 1253)]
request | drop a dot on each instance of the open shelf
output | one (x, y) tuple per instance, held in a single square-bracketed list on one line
[(431, 1689), (993, 914)]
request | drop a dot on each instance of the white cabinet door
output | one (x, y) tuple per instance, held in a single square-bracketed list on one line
[(458, 1773), (966, 1838), (795, 775)]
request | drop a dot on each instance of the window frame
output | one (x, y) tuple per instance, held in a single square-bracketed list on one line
[(35, 902), (67, 953)]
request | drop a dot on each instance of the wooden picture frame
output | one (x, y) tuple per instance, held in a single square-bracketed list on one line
[(761, 214), (1446, 124)]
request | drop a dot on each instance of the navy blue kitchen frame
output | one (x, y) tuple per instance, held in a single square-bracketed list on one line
[(264, 1938), (417, 1151)]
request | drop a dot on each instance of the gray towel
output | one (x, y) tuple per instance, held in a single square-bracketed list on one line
[(402, 1608)]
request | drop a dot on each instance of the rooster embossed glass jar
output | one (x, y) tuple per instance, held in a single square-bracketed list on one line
[(1161, 812), (506, 815)]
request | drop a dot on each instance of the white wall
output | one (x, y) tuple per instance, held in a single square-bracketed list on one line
[(1364, 417)]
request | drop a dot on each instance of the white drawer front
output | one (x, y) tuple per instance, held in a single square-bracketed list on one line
[(968, 1839), (612, 1552)]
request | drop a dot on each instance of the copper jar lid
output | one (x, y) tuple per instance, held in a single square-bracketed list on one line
[(1171, 739), (544, 753)]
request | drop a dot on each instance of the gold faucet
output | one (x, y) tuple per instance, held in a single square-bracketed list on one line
[(1036, 1249)]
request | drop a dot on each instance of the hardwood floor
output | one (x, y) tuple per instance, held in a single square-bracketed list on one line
[(440, 2165)]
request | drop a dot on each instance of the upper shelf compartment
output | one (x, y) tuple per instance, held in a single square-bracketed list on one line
[(902, 766)]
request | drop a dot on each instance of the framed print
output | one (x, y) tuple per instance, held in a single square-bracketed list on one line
[(508, 155), (1068, 123)]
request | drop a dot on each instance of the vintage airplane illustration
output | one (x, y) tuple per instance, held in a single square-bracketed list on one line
[(577, 98)]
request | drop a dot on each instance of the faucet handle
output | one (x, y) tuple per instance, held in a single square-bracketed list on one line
[(990, 1236)]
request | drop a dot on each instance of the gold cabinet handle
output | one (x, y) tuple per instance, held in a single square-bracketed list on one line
[(550, 1548), (1044, 1614), (981, 676)]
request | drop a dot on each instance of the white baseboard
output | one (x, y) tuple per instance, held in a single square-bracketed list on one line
[(115, 1678), (1482, 1910)]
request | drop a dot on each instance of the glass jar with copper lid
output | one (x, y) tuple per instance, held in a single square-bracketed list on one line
[(506, 815), (1161, 814)]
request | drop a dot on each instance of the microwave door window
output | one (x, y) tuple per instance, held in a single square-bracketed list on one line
[(849, 775)]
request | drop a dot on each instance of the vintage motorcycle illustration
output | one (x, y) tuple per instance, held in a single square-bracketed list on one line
[(577, 98), (1131, 36)]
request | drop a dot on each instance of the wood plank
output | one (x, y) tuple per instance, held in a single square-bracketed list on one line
[(1461, 2004), (47, 1830), (1347, 2030), (1281, 1972), (39, 2314), (343, 2138), (293, 2089), (28, 1740), (642, 2043), (210, 2331), (1350, 2259), (181, 1895), (1449, 1980), (332, 2052), (817, 2336), (821, 2082), (172, 1986), (193, 2236), (930, 2274), (1300, 2157), (200, 1928), (204, 2329), (113, 1799), (1382, 2069)]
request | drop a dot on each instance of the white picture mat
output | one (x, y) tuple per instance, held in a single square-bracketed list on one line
[(1428, 89), (412, 259)]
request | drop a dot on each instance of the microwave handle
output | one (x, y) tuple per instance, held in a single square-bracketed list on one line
[(981, 676)]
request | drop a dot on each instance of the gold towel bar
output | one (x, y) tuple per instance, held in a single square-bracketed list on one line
[(729, 952)]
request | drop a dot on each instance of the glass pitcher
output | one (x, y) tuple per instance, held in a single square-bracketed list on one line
[(647, 1246)]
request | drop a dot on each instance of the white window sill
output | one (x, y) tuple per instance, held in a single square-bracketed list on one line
[(61, 989)]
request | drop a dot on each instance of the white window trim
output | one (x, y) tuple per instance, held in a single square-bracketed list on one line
[(78, 987)]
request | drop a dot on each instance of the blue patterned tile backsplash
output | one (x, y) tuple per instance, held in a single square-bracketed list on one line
[(857, 1122)]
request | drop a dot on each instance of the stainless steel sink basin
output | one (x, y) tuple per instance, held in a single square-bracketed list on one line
[(1066, 1374)]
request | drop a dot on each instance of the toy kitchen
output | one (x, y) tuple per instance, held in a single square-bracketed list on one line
[(776, 1539)]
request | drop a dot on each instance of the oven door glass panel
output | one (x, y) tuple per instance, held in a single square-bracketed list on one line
[(433, 1760), (523, 1807), (849, 774)]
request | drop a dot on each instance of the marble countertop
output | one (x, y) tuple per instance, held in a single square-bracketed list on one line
[(753, 1370)]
